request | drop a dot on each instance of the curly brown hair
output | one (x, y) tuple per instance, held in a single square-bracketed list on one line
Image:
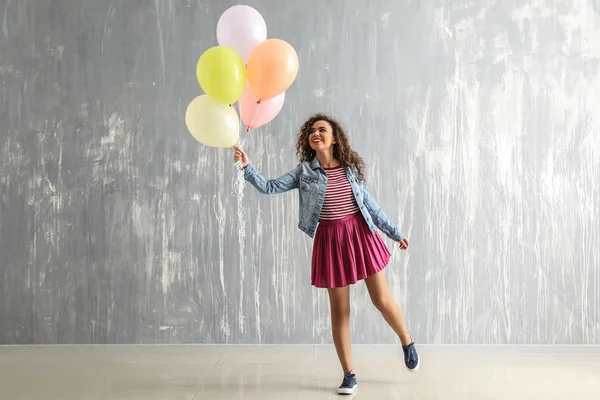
[(341, 150)]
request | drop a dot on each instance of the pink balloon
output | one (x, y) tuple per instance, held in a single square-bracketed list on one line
[(241, 28), (255, 113)]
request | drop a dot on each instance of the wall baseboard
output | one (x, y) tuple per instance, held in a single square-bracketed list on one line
[(297, 349)]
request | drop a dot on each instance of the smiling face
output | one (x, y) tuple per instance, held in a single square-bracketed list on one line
[(320, 136)]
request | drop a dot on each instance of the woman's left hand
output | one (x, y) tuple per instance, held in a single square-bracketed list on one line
[(404, 244)]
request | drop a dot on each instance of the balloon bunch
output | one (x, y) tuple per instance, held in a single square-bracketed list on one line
[(246, 68)]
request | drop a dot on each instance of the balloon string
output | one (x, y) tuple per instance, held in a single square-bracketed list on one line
[(255, 115), (240, 142), (241, 223), (239, 194)]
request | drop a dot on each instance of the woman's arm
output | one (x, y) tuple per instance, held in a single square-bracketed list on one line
[(379, 218), (282, 184)]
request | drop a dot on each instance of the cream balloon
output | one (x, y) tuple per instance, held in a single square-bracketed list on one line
[(212, 123)]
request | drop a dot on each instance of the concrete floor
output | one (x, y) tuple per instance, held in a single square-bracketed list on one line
[(294, 372)]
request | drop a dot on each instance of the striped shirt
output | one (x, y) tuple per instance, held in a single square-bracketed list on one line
[(339, 199)]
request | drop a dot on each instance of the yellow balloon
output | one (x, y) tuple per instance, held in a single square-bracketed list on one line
[(212, 123), (221, 73)]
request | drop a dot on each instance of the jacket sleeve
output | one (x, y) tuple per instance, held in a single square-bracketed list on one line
[(282, 184), (379, 218)]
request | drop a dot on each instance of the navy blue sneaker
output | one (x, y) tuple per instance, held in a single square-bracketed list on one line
[(411, 357), (349, 384)]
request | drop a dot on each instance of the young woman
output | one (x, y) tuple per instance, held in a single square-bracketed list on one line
[(337, 210)]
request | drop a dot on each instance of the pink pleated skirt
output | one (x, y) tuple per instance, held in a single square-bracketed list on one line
[(345, 251)]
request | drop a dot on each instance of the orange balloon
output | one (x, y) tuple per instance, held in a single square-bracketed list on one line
[(272, 68)]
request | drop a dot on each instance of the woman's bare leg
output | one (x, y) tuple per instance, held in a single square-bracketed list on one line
[(339, 302), (382, 300)]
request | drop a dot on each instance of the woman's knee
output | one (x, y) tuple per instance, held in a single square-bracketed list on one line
[(340, 306), (383, 302), (340, 315)]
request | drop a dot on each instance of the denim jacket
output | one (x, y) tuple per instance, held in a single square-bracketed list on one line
[(311, 180)]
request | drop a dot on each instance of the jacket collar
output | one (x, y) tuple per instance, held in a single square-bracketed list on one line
[(315, 164)]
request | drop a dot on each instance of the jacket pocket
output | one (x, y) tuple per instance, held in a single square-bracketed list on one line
[(308, 183)]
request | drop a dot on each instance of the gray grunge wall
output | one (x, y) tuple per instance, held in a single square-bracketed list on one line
[(478, 120)]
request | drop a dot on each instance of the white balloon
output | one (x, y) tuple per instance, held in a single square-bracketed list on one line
[(241, 28)]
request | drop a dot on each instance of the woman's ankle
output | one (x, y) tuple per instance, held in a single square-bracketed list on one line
[(405, 340)]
